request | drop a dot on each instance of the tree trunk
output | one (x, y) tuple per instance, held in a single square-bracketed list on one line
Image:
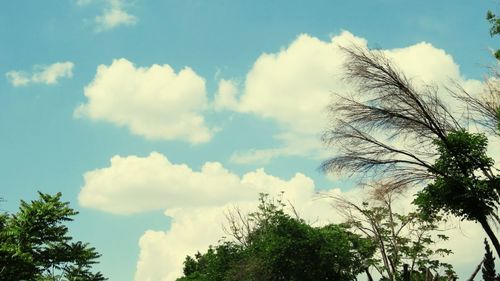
[(406, 273), (491, 235), (471, 278), (368, 274), (428, 274)]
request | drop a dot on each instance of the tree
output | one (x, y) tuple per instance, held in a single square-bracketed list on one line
[(456, 189), (488, 270), (280, 247), (35, 245), (406, 134), (406, 243)]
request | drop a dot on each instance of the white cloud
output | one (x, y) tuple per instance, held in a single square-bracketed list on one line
[(153, 102), (198, 200), (113, 16), (18, 78), (41, 74), (138, 184), (162, 252), (226, 95), (294, 86)]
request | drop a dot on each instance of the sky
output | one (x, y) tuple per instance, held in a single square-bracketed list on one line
[(153, 118)]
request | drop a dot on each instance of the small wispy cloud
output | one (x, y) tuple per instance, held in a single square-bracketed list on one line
[(41, 74), (113, 15)]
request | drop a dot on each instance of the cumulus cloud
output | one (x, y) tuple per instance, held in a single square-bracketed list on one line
[(154, 102), (153, 182), (293, 87), (197, 202), (41, 74), (135, 184)]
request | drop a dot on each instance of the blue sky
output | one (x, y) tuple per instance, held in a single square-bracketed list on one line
[(80, 87)]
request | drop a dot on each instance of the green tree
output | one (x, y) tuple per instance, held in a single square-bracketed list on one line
[(457, 189), (35, 245), (402, 239), (488, 270), (406, 134), (280, 247)]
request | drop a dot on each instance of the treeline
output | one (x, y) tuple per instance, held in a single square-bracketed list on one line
[(270, 244)]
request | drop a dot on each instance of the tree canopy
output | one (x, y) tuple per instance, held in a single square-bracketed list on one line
[(35, 244), (281, 247)]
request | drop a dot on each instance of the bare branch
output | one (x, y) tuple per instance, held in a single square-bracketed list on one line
[(484, 108), (386, 104)]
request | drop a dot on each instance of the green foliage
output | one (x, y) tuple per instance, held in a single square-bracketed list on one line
[(35, 245), (401, 239), (488, 270), (280, 247), (457, 189), (495, 28), (498, 118)]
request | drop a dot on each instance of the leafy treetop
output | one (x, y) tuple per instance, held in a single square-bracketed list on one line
[(35, 244)]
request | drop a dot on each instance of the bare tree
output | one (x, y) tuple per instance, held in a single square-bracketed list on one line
[(403, 241), (385, 107), (238, 225)]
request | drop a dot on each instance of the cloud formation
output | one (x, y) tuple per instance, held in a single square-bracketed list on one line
[(154, 102), (153, 182), (294, 86), (291, 88), (41, 74)]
